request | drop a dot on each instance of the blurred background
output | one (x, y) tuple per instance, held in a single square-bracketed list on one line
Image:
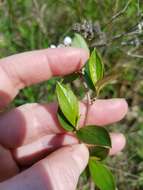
[(115, 28)]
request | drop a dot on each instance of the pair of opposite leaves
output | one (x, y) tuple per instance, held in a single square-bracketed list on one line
[(96, 138)]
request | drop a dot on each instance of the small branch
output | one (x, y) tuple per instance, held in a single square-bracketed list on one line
[(92, 185), (120, 12), (138, 7), (126, 173), (40, 15), (132, 54), (88, 103)]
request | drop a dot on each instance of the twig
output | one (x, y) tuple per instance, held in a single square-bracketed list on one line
[(92, 185), (130, 53), (36, 4), (88, 103), (126, 173), (40, 13), (120, 12), (138, 7)]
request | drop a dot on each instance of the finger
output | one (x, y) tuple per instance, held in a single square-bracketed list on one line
[(8, 167), (104, 112), (118, 143), (35, 151), (58, 171), (27, 123), (31, 153), (18, 71)]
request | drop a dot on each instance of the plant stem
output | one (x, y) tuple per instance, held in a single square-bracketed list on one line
[(88, 103)]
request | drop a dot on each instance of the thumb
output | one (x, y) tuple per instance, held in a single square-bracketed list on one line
[(59, 171)]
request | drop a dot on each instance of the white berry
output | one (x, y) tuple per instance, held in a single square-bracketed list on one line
[(67, 40), (140, 26), (52, 46)]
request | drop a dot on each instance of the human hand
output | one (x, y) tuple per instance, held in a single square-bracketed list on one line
[(29, 133)]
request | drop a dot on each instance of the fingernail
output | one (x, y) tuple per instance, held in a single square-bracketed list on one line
[(119, 101), (118, 143), (81, 53)]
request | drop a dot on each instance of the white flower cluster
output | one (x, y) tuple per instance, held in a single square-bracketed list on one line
[(140, 27), (66, 43)]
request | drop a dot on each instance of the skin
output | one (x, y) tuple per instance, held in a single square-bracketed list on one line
[(36, 153)]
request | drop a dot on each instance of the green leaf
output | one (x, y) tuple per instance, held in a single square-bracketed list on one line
[(94, 70), (79, 42), (100, 153), (64, 122), (96, 67), (87, 77), (94, 135), (101, 175), (68, 103), (70, 78)]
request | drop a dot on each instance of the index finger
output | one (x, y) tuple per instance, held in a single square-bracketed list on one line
[(21, 70)]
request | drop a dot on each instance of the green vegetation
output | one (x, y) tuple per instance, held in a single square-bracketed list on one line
[(115, 28)]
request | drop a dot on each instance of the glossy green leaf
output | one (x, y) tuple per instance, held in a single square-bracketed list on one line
[(101, 175), (70, 78), (93, 71), (100, 153), (87, 78), (96, 68), (64, 122), (94, 135), (68, 103), (79, 42)]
